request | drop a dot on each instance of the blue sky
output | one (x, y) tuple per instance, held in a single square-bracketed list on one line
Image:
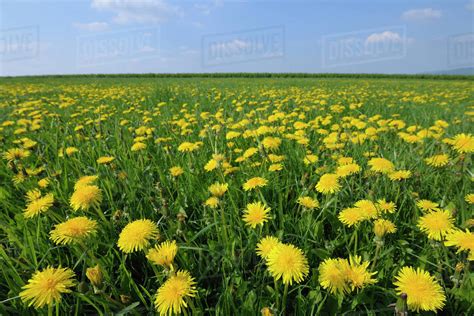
[(143, 36)]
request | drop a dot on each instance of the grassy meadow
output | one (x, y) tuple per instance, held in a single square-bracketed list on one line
[(236, 196)]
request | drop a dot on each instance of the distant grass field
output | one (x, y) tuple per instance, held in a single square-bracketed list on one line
[(357, 180)]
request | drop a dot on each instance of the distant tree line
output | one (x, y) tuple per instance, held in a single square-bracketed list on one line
[(260, 75)]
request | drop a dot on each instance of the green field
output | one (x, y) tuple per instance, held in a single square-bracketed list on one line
[(357, 180)]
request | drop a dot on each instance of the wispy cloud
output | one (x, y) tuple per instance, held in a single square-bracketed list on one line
[(422, 14), (92, 27), (470, 5), (138, 11)]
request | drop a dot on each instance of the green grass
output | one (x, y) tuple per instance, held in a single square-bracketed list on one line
[(231, 278)]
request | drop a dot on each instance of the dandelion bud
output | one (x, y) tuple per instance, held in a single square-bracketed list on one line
[(95, 276)]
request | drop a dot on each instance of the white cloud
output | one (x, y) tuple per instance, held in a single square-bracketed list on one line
[(137, 11), (421, 14), (470, 5), (92, 27), (386, 36)]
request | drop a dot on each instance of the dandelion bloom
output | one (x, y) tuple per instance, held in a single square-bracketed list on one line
[(256, 182), (45, 287), (332, 275), (38, 205), (172, 295), (218, 189), (399, 175), (86, 196), (176, 171), (463, 143), (163, 254), (469, 198), (275, 167), (105, 160), (381, 165), (211, 165), (328, 183), (71, 151), (212, 202), (436, 224), (422, 290), (383, 227), (287, 262), (266, 245), (427, 205), (138, 146), (308, 202), (73, 230), (347, 170), (256, 214), (385, 207), (16, 154), (357, 274), (85, 180), (271, 143), (437, 160), (463, 240), (137, 235), (352, 216)]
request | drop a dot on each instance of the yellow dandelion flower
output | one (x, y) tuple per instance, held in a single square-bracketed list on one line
[(463, 143), (347, 170), (138, 146), (71, 151), (332, 275), (357, 274), (73, 230), (427, 205), (43, 183), (32, 195), (176, 171), (462, 240), (212, 202), (271, 143), (163, 254), (308, 202), (137, 235), (469, 198), (275, 167), (256, 214), (45, 287), (266, 245), (383, 227), (368, 208), (218, 189), (85, 197), (399, 175), (437, 160), (385, 207), (287, 262), (105, 160), (436, 224), (16, 154), (381, 165), (422, 290), (256, 182), (352, 216), (310, 159), (39, 205), (211, 165), (328, 183), (172, 295), (85, 180)]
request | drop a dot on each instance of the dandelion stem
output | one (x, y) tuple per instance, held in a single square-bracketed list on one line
[(283, 301)]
